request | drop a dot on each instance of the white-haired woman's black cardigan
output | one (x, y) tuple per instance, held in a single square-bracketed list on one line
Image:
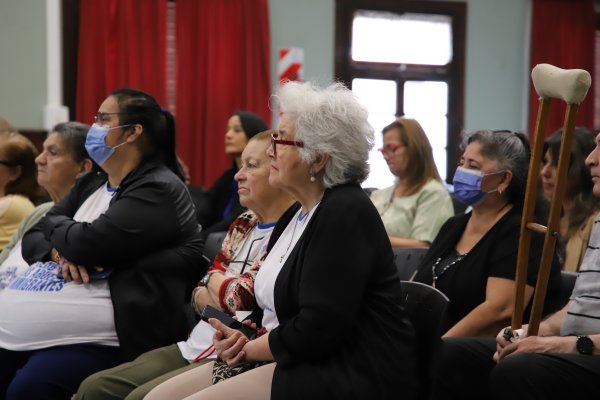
[(149, 235), (342, 332)]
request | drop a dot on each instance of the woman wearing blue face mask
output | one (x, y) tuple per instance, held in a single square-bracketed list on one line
[(473, 258), (114, 260)]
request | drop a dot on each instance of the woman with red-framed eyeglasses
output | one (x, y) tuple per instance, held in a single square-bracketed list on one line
[(414, 209), (327, 294)]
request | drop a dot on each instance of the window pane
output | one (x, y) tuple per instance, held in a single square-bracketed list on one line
[(427, 102), (402, 38), (379, 96)]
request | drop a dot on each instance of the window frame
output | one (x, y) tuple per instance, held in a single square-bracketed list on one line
[(346, 69)]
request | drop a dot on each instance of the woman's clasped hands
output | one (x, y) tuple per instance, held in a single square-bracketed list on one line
[(229, 343)]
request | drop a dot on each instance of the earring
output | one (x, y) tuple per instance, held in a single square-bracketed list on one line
[(312, 177)]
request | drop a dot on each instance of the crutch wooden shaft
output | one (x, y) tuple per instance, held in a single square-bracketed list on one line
[(553, 220), (535, 227), (571, 86), (528, 209)]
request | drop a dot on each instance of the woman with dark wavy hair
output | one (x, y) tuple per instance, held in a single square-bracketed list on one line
[(579, 206)]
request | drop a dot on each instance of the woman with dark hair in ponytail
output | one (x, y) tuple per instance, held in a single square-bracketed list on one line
[(220, 205), (112, 264)]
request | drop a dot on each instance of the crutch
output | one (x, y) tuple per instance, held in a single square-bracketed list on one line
[(571, 86)]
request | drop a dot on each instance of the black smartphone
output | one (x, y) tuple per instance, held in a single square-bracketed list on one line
[(99, 275), (211, 312), (94, 274)]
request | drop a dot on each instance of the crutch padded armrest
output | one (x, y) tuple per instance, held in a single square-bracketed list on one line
[(571, 85)]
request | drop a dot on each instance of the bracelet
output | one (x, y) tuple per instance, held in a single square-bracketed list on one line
[(204, 280), (194, 295)]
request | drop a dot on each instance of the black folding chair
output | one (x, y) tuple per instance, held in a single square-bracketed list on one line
[(425, 307), (212, 245), (407, 260)]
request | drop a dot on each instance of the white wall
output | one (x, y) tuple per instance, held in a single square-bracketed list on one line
[(497, 71), (497, 64), (23, 62), (310, 25)]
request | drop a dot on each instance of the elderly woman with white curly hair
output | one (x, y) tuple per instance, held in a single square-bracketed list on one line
[(328, 295)]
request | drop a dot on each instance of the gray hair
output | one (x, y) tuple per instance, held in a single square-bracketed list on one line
[(511, 151), (73, 134), (330, 120)]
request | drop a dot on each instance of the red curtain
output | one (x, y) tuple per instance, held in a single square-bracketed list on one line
[(223, 65), (563, 34), (121, 43)]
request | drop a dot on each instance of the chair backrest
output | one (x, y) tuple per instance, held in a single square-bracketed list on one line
[(568, 283), (407, 260), (459, 207), (425, 307), (212, 245)]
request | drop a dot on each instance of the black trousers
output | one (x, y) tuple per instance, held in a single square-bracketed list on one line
[(467, 371)]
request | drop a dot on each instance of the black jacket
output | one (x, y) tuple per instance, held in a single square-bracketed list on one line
[(211, 205), (342, 332), (149, 236)]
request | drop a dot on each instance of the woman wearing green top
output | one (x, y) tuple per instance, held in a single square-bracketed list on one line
[(414, 209)]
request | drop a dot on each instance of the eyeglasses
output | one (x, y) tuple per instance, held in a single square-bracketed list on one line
[(275, 142), (103, 117), (389, 149)]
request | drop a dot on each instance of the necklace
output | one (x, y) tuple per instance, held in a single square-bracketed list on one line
[(445, 268), (302, 218), (291, 241)]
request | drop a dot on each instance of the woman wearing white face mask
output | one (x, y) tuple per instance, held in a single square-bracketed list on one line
[(131, 237), (473, 258)]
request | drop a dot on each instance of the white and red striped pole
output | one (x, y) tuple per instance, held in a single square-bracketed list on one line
[(290, 64)]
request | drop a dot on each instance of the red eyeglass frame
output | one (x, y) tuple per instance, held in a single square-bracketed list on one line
[(275, 142), (389, 149)]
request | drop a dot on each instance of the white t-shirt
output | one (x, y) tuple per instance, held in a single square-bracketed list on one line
[(13, 266), (39, 309), (253, 247), (264, 284)]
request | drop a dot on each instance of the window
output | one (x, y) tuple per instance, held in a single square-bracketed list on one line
[(405, 59), (370, 27)]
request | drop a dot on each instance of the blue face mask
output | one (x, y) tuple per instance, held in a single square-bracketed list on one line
[(96, 146), (467, 185)]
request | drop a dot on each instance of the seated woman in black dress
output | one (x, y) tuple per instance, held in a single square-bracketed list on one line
[(220, 205), (473, 258)]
